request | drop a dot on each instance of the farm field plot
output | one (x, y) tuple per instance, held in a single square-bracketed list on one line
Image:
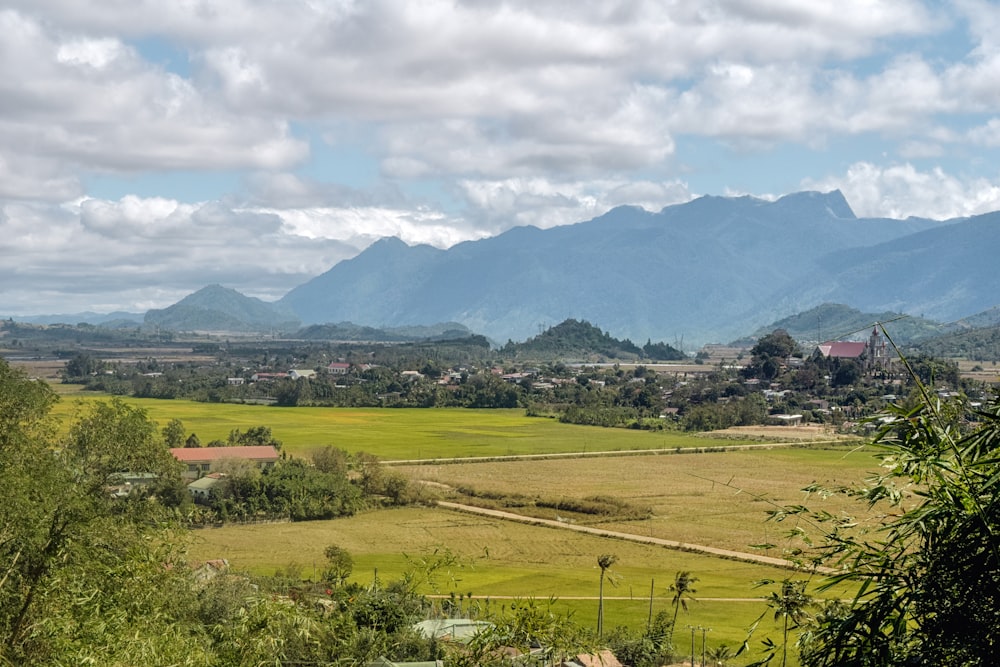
[(501, 559), (407, 433), (716, 499)]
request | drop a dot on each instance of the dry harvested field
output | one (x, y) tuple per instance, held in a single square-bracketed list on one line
[(716, 499), (801, 433)]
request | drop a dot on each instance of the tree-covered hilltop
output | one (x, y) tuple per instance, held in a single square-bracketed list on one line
[(981, 344), (348, 331), (836, 321), (580, 340), (216, 308)]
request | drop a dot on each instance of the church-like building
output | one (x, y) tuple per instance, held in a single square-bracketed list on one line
[(872, 355)]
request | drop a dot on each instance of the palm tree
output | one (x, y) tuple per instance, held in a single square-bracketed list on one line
[(604, 561), (683, 590), (790, 605), (720, 655)]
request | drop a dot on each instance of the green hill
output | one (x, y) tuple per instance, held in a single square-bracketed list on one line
[(835, 321), (981, 344), (580, 340), (348, 331), (216, 308)]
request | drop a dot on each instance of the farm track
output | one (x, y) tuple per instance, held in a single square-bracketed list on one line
[(612, 453), (620, 598), (630, 537)]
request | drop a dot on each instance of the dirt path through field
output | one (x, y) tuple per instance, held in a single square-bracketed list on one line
[(613, 453), (643, 539)]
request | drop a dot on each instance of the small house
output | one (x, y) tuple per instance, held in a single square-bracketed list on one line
[(201, 489)]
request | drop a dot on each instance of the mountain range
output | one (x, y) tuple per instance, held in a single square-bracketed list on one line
[(709, 270)]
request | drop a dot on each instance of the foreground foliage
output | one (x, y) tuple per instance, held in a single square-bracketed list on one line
[(927, 576), (87, 577)]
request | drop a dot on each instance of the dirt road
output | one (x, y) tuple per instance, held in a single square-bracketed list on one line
[(643, 539)]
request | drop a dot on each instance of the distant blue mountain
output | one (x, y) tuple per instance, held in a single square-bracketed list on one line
[(945, 272), (217, 308), (712, 269)]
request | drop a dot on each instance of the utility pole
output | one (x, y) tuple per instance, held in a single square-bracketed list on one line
[(692, 645), (703, 631), (649, 619)]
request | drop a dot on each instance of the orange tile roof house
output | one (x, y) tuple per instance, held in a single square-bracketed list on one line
[(199, 460)]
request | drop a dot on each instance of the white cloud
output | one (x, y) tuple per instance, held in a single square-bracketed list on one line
[(360, 226), (523, 112), (900, 191), (95, 104), (97, 53), (543, 203)]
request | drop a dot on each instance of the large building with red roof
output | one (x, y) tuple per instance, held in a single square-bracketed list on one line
[(201, 460), (872, 354)]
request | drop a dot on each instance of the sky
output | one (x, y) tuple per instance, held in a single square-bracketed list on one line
[(150, 148)]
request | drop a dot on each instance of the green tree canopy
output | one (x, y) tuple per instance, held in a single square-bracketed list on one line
[(173, 433), (253, 436), (82, 574)]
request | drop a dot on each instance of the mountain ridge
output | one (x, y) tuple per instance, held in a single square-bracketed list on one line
[(710, 269)]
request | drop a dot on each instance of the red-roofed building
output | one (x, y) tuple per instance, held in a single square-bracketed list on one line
[(842, 349), (200, 460), (873, 354)]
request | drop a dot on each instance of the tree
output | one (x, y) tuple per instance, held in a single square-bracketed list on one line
[(926, 578), (683, 590), (523, 625), (790, 605), (339, 565), (81, 365), (331, 459), (82, 576), (847, 372), (254, 436), (776, 344), (770, 353), (173, 433), (604, 561)]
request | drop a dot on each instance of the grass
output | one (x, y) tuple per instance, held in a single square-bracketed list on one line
[(398, 433), (497, 558), (716, 499)]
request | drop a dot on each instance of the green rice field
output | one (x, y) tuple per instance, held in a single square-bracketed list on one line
[(717, 499), (498, 560), (409, 433)]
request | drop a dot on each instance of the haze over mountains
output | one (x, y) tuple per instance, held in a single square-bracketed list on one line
[(710, 270)]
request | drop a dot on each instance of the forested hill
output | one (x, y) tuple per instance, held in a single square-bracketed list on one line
[(217, 308), (982, 344), (348, 331), (573, 339), (834, 321)]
